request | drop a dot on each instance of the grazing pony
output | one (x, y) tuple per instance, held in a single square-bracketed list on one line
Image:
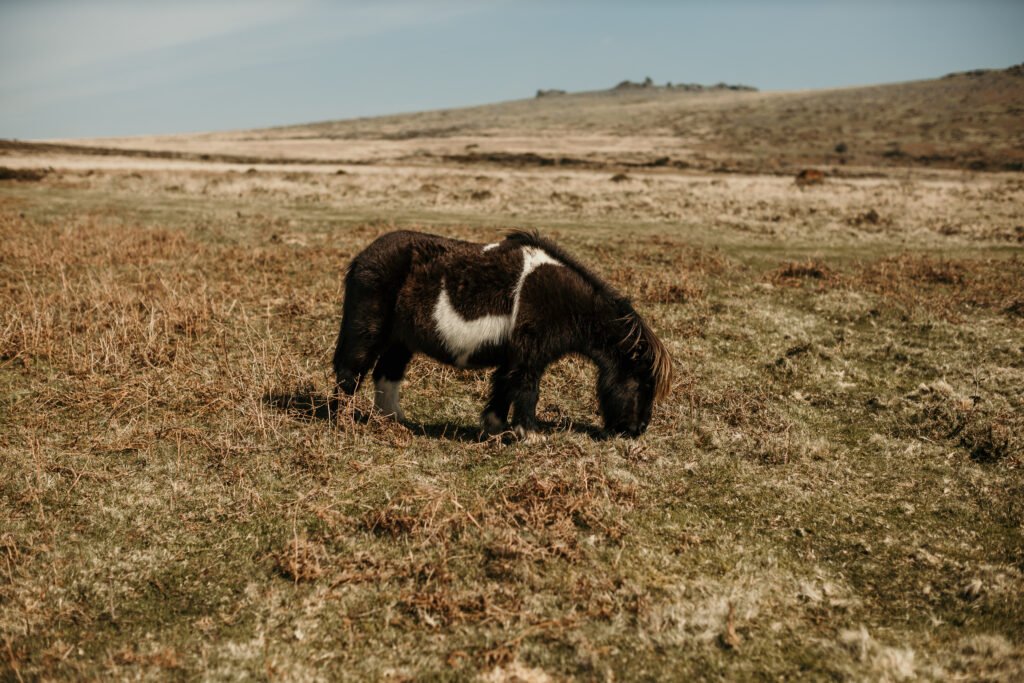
[(517, 305)]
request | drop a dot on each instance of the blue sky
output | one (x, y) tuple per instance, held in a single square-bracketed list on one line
[(79, 68)]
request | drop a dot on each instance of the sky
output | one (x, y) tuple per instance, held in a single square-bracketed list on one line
[(94, 68)]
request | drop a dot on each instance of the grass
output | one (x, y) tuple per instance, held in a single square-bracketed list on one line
[(832, 491)]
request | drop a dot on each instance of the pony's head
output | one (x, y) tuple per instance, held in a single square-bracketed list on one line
[(639, 374)]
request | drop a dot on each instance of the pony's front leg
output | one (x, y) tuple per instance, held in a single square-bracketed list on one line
[(494, 418), (525, 392)]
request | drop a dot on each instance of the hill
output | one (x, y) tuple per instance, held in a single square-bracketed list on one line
[(972, 120)]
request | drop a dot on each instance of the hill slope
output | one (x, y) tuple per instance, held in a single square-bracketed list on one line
[(971, 120)]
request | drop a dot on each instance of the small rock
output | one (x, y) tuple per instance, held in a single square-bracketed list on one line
[(810, 176)]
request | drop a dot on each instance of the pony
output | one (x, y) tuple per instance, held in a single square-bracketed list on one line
[(517, 305)]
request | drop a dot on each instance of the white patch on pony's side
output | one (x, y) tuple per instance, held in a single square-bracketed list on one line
[(385, 398), (492, 245), (464, 337)]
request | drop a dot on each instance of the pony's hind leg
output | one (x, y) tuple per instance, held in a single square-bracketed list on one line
[(365, 326), (353, 358), (387, 380)]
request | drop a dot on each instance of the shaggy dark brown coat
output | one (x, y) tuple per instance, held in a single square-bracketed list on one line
[(517, 305)]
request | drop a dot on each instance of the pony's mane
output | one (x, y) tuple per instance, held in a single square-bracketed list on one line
[(639, 339), (533, 239)]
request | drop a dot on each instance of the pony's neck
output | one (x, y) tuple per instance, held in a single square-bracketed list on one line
[(603, 342)]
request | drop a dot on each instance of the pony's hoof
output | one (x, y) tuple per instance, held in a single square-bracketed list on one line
[(527, 436), (397, 416)]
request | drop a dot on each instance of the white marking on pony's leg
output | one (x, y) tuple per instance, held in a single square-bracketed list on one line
[(385, 398), (526, 436), (492, 245)]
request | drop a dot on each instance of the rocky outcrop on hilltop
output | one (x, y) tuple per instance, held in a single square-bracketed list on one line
[(648, 84)]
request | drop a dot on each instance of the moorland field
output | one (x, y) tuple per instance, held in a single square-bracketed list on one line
[(833, 490)]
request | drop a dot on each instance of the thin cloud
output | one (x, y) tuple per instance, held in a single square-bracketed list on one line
[(44, 40), (63, 52)]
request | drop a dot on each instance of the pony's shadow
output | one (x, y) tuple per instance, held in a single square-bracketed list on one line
[(310, 407)]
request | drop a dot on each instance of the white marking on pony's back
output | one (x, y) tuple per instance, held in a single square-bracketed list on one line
[(492, 245), (463, 337), (385, 398), (533, 257)]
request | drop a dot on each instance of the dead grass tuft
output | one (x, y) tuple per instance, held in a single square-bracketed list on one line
[(163, 658), (949, 287), (426, 513), (675, 274), (867, 218), (809, 176), (1016, 308), (990, 431), (794, 271), (440, 607), (682, 291), (561, 502), (300, 560)]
